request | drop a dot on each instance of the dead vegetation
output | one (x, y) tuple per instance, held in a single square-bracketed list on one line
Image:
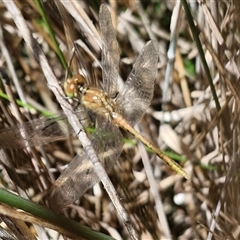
[(193, 117)]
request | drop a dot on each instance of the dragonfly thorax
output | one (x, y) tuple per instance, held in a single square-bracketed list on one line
[(92, 98), (98, 101)]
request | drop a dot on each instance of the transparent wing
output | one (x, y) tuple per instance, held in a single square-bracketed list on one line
[(137, 93), (110, 52), (79, 176), (39, 132)]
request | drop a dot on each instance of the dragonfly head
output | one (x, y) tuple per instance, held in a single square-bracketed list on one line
[(74, 86)]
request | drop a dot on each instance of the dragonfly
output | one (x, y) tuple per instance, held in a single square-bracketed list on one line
[(114, 108), (111, 108)]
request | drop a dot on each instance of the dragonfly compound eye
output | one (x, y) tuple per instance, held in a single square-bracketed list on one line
[(73, 86)]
